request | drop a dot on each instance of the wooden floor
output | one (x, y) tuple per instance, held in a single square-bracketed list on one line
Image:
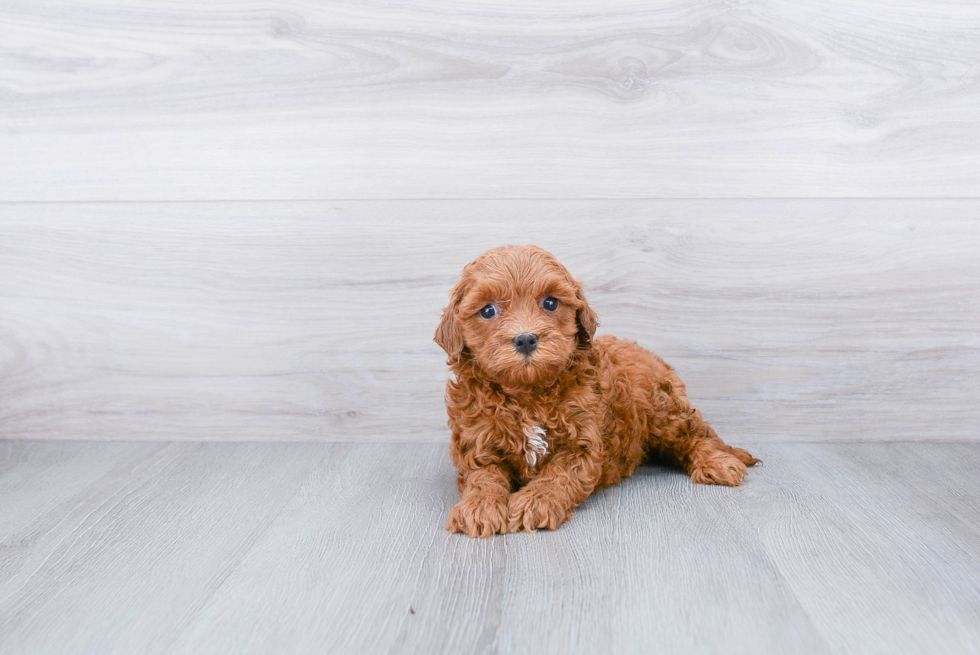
[(146, 547)]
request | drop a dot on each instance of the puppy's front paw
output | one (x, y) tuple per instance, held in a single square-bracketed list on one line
[(531, 509), (720, 468), (479, 516)]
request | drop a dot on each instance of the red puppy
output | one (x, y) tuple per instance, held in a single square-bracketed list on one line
[(542, 415)]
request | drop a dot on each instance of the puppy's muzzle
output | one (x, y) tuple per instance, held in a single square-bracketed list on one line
[(525, 343)]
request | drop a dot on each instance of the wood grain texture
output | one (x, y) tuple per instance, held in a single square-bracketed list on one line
[(41, 477), (322, 100), (789, 320), (655, 565), (141, 548), (896, 521), (290, 548)]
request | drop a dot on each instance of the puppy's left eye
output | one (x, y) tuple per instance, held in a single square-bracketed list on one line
[(550, 304)]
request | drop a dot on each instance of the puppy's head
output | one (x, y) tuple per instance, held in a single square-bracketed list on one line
[(518, 314)]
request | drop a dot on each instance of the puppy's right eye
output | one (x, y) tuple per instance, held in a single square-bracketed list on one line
[(488, 312)]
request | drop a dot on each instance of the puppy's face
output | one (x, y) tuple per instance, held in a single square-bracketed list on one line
[(518, 314)]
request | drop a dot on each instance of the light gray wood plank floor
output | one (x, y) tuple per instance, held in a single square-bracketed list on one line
[(314, 320), (238, 100), (156, 547)]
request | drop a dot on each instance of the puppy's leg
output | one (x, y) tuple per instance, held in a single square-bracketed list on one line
[(482, 507), (688, 438), (551, 497)]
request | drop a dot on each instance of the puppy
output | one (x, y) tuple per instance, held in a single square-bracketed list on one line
[(541, 413)]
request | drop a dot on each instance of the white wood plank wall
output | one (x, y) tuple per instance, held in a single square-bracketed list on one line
[(238, 220), (789, 319), (238, 99)]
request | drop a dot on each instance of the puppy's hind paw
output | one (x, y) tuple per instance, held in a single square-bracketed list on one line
[(745, 456), (719, 468)]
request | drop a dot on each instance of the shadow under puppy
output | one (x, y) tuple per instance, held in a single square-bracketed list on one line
[(541, 413)]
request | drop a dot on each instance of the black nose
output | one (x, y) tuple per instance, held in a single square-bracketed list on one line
[(526, 343)]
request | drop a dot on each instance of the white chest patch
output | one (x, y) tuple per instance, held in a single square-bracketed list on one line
[(536, 445)]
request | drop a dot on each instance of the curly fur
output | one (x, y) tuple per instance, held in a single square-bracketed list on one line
[(534, 435)]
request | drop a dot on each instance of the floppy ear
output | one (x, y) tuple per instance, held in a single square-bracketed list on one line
[(448, 335), (586, 317)]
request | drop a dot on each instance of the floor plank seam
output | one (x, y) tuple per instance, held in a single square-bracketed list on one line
[(253, 539), (773, 563)]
